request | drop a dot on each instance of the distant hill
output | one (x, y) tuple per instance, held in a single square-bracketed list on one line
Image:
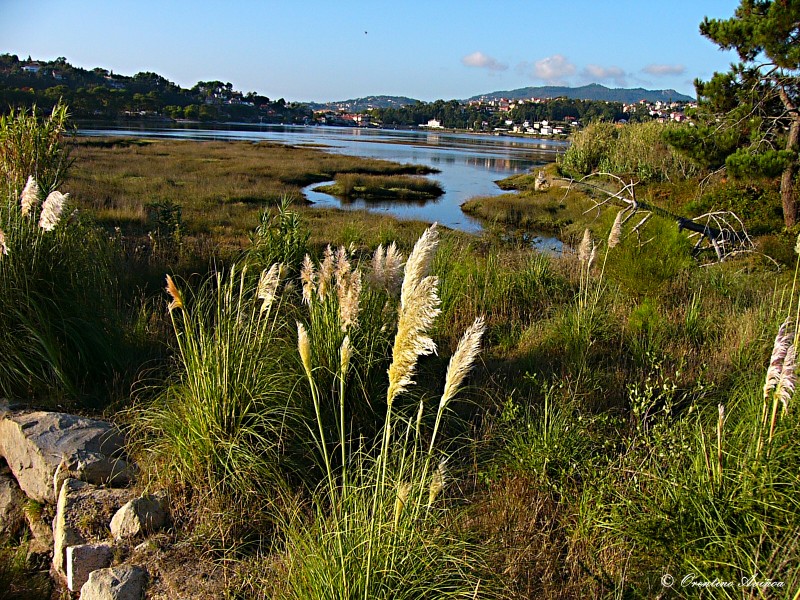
[(361, 104), (593, 91)]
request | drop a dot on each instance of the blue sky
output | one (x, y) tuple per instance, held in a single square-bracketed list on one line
[(320, 51)]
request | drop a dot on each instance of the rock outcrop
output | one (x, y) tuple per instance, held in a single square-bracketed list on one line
[(44, 448)]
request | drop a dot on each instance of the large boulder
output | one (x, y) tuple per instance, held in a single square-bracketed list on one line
[(82, 516), (115, 583), (44, 448)]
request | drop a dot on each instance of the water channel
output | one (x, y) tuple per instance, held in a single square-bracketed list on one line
[(469, 165)]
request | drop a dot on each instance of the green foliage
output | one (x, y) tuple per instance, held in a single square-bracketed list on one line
[(281, 238), (758, 97), (636, 149), (757, 205), (643, 269), (33, 146), (217, 426), (60, 327), (19, 580), (772, 163)]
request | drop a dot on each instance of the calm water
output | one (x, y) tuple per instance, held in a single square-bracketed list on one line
[(469, 165)]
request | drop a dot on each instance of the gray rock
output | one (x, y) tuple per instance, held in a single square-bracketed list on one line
[(115, 583), (142, 515), (12, 500), (82, 516), (44, 448), (83, 559)]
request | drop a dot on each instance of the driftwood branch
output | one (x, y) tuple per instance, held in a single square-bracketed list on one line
[(723, 232)]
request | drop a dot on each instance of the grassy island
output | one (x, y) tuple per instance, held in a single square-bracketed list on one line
[(381, 187)]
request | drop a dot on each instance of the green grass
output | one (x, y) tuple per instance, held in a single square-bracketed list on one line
[(382, 187)]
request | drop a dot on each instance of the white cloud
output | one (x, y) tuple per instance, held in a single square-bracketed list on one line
[(663, 70), (553, 69), (480, 60), (597, 73)]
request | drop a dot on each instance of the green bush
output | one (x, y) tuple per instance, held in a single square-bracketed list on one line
[(635, 150)]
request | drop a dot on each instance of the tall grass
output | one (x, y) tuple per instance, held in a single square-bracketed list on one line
[(214, 434), (378, 527), (32, 145), (60, 327)]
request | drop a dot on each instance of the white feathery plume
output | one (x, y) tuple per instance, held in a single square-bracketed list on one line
[(797, 245), (788, 379), (342, 267), (349, 292), (29, 199), (378, 259), (419, 262), (462, 360), (345, 353), (325, 273), (3, 247), (268, 285), (393, 268), (307, 276), (585, 248), (419, 307), (304, 347), (51, 210), (783, 341)]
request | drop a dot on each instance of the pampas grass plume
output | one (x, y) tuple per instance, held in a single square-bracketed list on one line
[(345, 353), (783, 341), (29, 199), (3, 247), (307, 276), (403, 491), (51, 210), (268, 285), (462, 359), (304, 347), (585, 249), (437, 483), (175, 294), (788, 378)]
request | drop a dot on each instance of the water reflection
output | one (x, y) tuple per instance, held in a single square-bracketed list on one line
[(469, 164)]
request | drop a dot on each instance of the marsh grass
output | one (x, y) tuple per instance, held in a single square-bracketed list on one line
[(221, 187), (378, 187)]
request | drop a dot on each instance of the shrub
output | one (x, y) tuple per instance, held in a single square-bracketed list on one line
[(634, 150)]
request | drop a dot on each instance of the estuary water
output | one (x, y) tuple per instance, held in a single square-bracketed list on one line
[(468, 164)]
